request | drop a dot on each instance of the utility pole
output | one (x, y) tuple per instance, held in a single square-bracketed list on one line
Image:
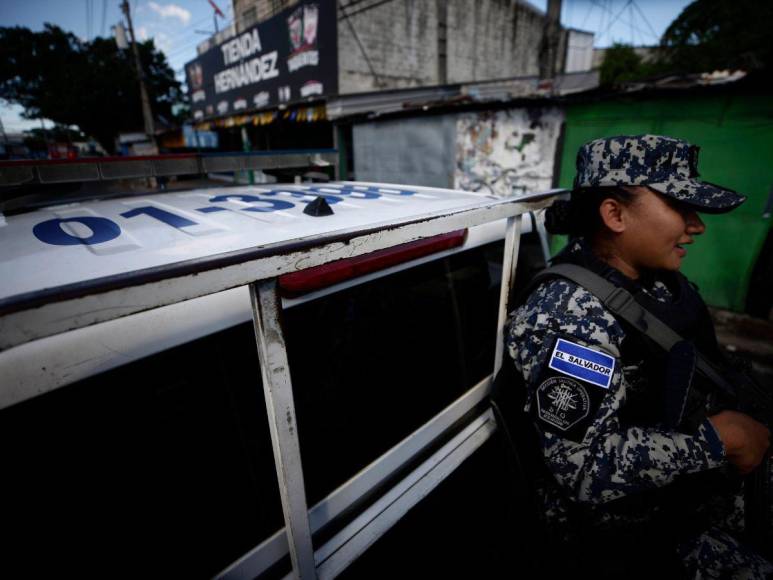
[(548, 54), (146, 112), (215, 13), (46, 140), (442, 41), (2, 130)]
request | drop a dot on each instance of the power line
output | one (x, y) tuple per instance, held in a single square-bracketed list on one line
[(646, 21), (185, 31), (364, 9), (181, 44), (587, 15), (631, 23), (184, 47), (602, 16), (88, 20), (178, 50), (612, 22), (351, 4), (362, 49)]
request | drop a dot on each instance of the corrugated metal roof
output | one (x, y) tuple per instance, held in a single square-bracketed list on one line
[(502, 90)]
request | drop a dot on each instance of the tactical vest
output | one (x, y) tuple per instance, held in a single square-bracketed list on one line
[(657, 398), (657, 394)]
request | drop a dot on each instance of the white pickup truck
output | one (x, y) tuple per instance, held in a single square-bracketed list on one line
[(250, 381)]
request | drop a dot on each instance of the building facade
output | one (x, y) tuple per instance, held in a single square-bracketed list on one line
[(369, 46), (366, 60)]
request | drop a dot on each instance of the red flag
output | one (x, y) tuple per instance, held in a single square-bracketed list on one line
[(216, 9)]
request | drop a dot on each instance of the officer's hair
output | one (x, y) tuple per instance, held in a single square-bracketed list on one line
[(579, 216)]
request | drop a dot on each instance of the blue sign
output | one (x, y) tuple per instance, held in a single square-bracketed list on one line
[(583, 363)]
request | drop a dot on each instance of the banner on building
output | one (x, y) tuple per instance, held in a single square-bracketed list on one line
[(290, 57)]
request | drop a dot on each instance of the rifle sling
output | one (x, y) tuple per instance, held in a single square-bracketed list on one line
[(621, 303)]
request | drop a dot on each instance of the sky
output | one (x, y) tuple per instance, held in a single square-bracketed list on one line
[(637, 22), (178, 26)]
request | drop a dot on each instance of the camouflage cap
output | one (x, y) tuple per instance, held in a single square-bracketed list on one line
[(669, 166)]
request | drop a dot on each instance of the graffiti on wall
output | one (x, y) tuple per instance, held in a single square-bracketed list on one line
[(508, 152)]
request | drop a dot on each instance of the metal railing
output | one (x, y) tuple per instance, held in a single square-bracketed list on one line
[(24, 172)]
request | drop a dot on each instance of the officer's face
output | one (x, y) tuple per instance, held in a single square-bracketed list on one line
[(656, 231)]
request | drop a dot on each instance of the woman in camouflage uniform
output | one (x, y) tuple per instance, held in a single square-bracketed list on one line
[(636, 482)]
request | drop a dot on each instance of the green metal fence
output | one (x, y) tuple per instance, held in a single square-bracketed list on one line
[(735, 132)]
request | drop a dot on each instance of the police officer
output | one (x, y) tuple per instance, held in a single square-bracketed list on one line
[(636, 479)]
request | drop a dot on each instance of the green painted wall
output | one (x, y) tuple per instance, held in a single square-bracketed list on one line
[(735, 133)]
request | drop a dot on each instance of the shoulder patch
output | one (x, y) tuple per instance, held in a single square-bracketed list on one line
[(562, 402), (573, 383), (581, 362)]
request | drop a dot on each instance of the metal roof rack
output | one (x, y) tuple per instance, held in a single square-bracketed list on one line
[(24, 172)]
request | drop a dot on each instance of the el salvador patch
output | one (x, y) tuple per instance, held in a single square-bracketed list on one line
[(573, 383), (582, 363)]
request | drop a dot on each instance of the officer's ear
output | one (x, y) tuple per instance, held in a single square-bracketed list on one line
[(611, 212)]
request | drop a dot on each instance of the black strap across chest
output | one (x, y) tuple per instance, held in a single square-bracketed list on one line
[(622, 304)]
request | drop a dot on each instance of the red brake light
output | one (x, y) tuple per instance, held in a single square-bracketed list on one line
[(305, 281)]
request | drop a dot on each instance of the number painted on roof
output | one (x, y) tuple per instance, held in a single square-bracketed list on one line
[(358, 194), (161, 215), (52, 232), (273, 204), (379, 190), (360, 191), (331, 199)]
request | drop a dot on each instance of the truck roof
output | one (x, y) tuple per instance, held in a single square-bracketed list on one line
[(62, 245), (71, 266), (159, 280)]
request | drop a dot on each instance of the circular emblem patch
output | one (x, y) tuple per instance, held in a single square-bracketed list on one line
[(562, 402)]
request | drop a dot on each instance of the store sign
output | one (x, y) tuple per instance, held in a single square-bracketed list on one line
[(289, 57)]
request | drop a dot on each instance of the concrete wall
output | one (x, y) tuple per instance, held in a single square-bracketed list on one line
[(492, 39), (406, 41), (416, 151), (507, 152), (249, 12), (415, 43), (399, 39), (579, 51), (501, 152)]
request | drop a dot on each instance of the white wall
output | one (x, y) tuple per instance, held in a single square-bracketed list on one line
[(579, 51)]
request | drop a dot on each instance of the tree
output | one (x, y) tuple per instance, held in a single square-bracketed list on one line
[(93, 85), (621, 63), (716, 34)]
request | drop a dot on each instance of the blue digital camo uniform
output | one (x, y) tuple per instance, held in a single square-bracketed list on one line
[(596, 457)]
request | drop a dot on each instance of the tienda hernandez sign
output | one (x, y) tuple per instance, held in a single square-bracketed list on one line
[(289, 57)]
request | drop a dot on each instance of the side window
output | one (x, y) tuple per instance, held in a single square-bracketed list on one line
[(165, 464), (373, 363), (162, 467)]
